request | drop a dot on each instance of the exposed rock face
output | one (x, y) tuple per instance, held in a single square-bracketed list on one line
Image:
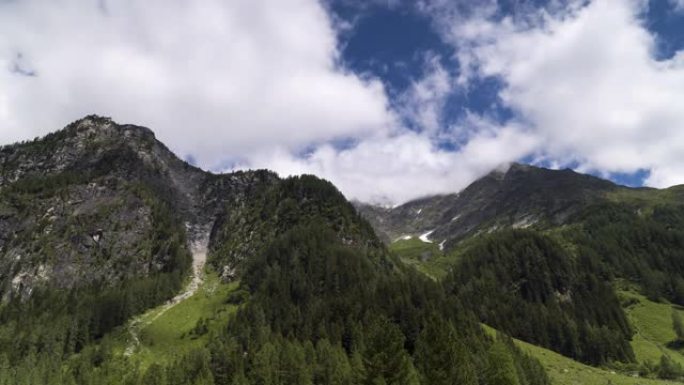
[(519, 197), (99, 202)]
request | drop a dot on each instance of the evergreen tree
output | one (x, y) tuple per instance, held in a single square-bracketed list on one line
[(264, 365), (155, 375), (332, 365), (677, 325), (294, 368), (500, 366), (441, 357), (668, 369), (385, 360)]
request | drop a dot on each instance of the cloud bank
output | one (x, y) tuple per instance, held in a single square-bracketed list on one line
[(260, 83), (246, 83), (216, 79), (585, 81)]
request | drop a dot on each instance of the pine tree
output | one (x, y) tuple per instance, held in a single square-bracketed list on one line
[(677, 325), (332, 365), (385, 360), (264, 364), (441, 357), (668, 369), (5, 370), (155, 375), (293, 366), (500, 366)]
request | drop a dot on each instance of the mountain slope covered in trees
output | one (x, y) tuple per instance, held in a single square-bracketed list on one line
[(97, 222), (554, 280)]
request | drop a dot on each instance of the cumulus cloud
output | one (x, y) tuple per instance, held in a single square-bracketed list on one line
[(391, 170), (423, 103), (215, 79), (586, 82), (248, 82), (257, 83), (678, 4)]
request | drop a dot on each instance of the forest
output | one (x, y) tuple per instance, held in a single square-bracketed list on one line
[(317, 297), (315, 311)]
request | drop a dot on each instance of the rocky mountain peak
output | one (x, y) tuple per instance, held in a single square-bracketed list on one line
[(104, 202), (514, 195), (104, 127)]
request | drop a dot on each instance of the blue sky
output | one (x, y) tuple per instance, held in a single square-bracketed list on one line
[(389, 99), (390, 41)]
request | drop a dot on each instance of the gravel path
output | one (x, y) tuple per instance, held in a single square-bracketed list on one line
[(199, 259)]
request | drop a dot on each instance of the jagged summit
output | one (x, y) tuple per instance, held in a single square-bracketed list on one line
[(517, 195), (94, 194)]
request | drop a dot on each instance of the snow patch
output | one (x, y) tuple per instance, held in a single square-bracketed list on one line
[(454, 219), (425, 236), (403, 238), (419, 211), (525, 222), (441, 245)]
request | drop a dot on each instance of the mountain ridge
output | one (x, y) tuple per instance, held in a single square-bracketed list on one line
[(519, 196), (95, 226), (91, 163)]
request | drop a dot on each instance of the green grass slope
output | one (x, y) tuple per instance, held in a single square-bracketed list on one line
[(652, 323), (186, 326), (565, 371), (424, 256)]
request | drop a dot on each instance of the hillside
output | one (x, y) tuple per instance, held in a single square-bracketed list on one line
[(104, 237), (519, 196), (547, 281), (120, 263)]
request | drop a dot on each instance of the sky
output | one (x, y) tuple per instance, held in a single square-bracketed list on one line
[(391, 100)]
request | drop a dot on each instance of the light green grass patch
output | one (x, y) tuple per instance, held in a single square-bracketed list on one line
[(565, 371), (166, 337), (647, 198), (424, 256), (652, 323)]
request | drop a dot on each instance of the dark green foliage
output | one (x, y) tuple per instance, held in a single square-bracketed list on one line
[(526, 284), (274, 208), (441, 356), (59, 322), (677, 325), (643, 248), (314, 310), (347, 318), (668, 369), (500, 366), (385, 360), (155, 375), (320, 299)]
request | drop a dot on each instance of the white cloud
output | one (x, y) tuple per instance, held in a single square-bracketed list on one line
[(424, 101), (390, 170), (249, 80), (258, 81), (588, 85), (678, 4), (213, 78)]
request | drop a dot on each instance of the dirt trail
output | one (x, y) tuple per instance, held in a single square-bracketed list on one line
[(199, 259)]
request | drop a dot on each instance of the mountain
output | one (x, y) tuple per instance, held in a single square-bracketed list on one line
[(122, 264), (545, 255), (83, 205), (519, 197)]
